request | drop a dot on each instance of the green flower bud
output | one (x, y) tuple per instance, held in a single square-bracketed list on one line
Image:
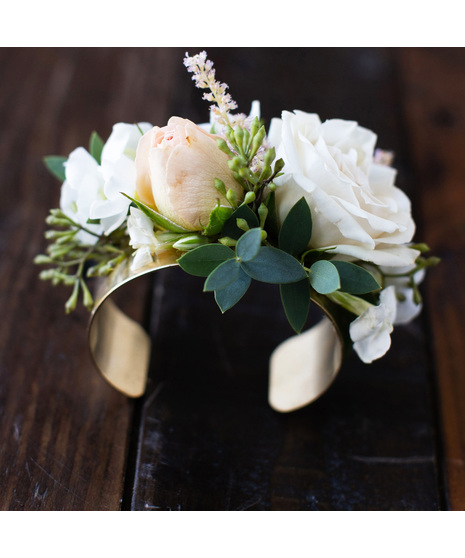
[(227, 241), (42, 259), (270, 154), (422, 247), (47, 274), (235, 164), (72, 300), (258, 140), (87, 299), (278, 166), (239, 136), (224, 147), (249, 198), (242, 224), (232, 198), (57, 221), (190, 242), (262, 214), (219, 185), (255, 126)]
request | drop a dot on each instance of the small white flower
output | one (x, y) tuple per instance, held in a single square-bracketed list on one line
[(142, 238), (371, 332), (119, 175), (407, 308), (93, 191), (82, 186)]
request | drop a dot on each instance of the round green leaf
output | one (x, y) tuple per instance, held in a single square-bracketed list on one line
[(274, 266), (296, 302), (296, 229), (203, 260), (242, 212), (324, 277), (222, 276), (248, 245), (355, 279), (226, 298)]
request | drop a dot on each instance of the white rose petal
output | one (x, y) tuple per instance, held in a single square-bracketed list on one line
[(371, 332), (356, 208)]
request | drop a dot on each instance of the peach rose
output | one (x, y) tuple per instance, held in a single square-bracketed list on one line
[(176, 167)]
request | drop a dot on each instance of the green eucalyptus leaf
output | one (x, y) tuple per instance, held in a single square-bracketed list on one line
[(203, 260), (274, 266), (296, 229), (324, 277), (222, 276), (56, 165), (217, 219), (355, 279), (296, 302), (96, 147), (242, 212), (226, 298), (248, 245), (158, 219)]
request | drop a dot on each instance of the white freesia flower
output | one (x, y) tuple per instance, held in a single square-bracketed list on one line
[(82, 186), (141, 238), (355, 206), (119, 175), (93, 191), (407, 308), (371, 332)]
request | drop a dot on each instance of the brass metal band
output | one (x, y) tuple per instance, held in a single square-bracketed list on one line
[(301, 368)]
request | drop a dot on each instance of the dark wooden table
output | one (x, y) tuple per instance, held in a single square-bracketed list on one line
[(389, 436)]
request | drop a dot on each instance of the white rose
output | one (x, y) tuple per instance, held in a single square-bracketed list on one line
[(371, 331), (355, 206)]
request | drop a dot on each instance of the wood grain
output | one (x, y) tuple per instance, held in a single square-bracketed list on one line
[(64, 431), (208, 439), (204, 437), (433, 82)]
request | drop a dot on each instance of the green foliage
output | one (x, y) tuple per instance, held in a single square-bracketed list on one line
[(230, 228), (355, 279), (203, 260), (229, 296), (217, 219), (69, 260), (222, 276), (96, 147), (296, 229), (272, 265), (56, 165), (248, 245), (295, 298), (324, 277)]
